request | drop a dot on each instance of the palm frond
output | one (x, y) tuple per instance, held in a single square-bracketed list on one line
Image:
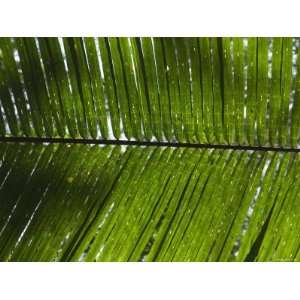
[(151, 201)]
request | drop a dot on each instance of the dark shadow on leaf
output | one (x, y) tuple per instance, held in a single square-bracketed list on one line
[(46, 199)]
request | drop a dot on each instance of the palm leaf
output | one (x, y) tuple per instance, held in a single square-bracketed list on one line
[(149, 149)]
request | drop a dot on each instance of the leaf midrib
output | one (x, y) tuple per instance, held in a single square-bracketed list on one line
[(41, 140)]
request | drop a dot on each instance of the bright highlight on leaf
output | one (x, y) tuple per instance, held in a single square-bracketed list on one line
[(148, 202)]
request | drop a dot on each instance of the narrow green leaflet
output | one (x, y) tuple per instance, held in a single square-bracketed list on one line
[(96, 84), (176, 105), (163, 90), (262, 89), (151, 84), (206, 77)]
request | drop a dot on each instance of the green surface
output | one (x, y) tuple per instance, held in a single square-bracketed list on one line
[(66, 202), (93, 203), (240, 91)]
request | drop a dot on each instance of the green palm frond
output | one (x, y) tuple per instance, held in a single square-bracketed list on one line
[(198, 157)]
